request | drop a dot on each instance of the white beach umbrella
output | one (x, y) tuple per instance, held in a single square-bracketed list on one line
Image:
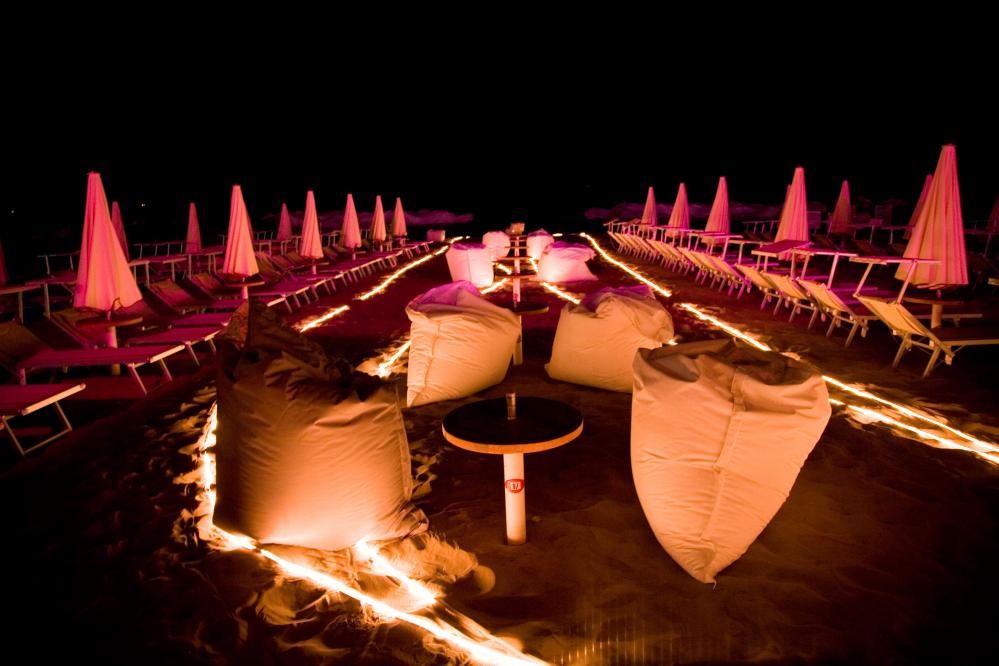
[(842, 216), (104, 281), (794, 217), (718, 219), (650, 218), (939, 231), (119, 228), (919, 205), (350, 235), (680, 217), (312, 244), (193, 231), (398, 220), (284, 225), (378, 222), (239, 258)]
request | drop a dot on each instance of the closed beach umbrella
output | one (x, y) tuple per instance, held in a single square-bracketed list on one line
[(794, 218), (284, 225), (119, 228), (718, 220), (193, 231), (841, 218), (239, 259), (3, 268), (919, 205), (312, 245), (104, 281), (680, 217), (350, 236), (398, 220), (939, 231), (649, 216), (378, 222)]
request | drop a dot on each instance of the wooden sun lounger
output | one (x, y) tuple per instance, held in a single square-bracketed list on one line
[(206, 319), (790, 291), (185, 335), (22, 400), (948, 341), (131, 357)]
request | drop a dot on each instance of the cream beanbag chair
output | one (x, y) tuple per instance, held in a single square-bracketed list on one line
[(596, 341), (308, 453), (435, 235), (537, 241), (498, 243), (461, 344), (564, 262), (719, 431), (471, 262)]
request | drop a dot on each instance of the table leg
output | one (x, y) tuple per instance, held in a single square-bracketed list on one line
[(45, 294), (516, 505), (313, 269), (112, 338), (20, 306), (245, 293), (518, 351), (936, 316)]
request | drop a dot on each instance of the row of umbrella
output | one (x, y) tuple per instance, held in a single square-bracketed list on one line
[(937, 224)]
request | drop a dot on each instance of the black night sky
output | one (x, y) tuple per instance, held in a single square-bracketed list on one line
[(507, 128)]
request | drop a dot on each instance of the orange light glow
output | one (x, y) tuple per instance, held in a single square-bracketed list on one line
[(385, 369), (559, 293), (370, 552), (329, 315), (503, 268), (637, 276), (489, 290)]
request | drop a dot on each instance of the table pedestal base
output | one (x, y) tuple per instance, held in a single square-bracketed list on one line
[(516, 506), (112, 340), (245, 293), (518, 351)]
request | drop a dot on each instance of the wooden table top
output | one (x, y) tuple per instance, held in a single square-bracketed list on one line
[(249, 282), (100, 321), (524, 307), (541, 424)]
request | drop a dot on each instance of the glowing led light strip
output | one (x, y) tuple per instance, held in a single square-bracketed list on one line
[(325, 317), (381, 287), (864, 394), (385, 369), (476, 650), (371, 553), (489, 290), (559, 292), (503, 268), (664, 292)]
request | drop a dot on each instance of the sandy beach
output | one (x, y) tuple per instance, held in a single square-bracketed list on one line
[(884, 552)]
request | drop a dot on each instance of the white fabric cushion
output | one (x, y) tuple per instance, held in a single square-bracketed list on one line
[(565, 262), (537, 241), (461, 344), (596, 341), (719, 431), (435, 235), (498, 243), (471, 262)]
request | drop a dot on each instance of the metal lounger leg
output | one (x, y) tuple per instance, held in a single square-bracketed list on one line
[(135, 376), (933, 361), (190, 350), (853, 332), (902, 348), (166, 372)]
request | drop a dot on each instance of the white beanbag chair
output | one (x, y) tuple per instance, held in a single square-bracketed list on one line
[(719, 431), (564, 262), (471, 262), (435, 235), (596, 341), (537, 241), (498, 243), (308, 453), (460, 344)]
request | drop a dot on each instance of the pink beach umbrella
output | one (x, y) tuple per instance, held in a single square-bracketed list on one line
[(312, 244), (4, 276), (119, 228), (680, 217), (841, 218), (284, 225), (718, 219), (193, 231), (794, 217), (378, 222), (398, 220), (350, 235), (649, 216), (104, 281), (919, 205), (239, 259), (939, 231)]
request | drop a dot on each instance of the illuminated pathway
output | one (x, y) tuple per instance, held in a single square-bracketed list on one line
[(986, 450)]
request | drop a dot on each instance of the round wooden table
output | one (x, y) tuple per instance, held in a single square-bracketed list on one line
[(539, 424), (312, 263), (522, 308), (244, 286), (110, 326), (936, 306)]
